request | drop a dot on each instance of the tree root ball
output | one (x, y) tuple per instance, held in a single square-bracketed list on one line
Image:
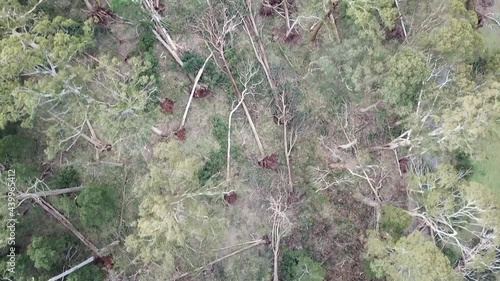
[(180, 134), (230, 198), (201, 92), (167, 105), (403, 165), (269, 162)]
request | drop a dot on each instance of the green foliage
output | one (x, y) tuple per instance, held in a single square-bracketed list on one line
[(98, 205), (54, 43), (175, 211), (90, 272), (298, 265), (19, 151), (451, 254), (369, 274), (217, 158), (487, 162), (129, 9), (212, 77), (68, 176), (16, 148), (411, 258), (462, 162), (219, 131), (145, 49), (407, 70), (394, 221), (212, 167), (47, 251), (24, 270), (371, 17)]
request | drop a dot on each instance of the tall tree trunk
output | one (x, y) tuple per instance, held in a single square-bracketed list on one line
[(23, 196)]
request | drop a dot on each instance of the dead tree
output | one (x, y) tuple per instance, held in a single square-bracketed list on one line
[(99, 146), (284, 118), (251, 245), (56, 192), (280, 225), (246, 76), (198, 76), (250, 27), (103, 252), (328, 17), (160, 31), (215, 26)]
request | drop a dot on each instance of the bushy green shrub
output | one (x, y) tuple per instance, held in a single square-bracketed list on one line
[(98, 205), (214, 165), (67, 177), (462, 162), (47, 252), (219, 131), (212, 77), (217, 158), (369, 274), (394, 221), (89, 273), (297, 264)]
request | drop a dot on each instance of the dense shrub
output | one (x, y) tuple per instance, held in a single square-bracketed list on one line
[(217, 158), (46, 252), (98, 205), (298, 265), (394, 221), (212, 77), (67, 177), (462, 162)]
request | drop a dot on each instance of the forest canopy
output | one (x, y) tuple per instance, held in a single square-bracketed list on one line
[(249, 140)]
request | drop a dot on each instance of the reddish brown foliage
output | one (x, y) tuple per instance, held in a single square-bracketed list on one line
[(269, 162), (201, 92), (167, 105), (230, 197), (180, 134)]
